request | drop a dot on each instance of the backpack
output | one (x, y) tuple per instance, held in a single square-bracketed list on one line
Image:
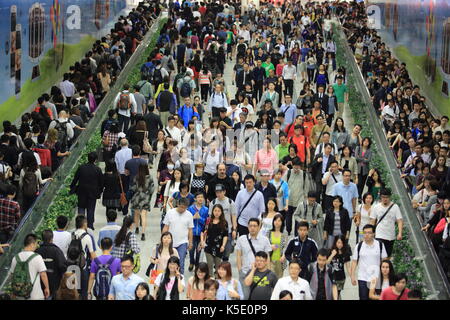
[(30, 184), (75, 254), (61, 127), (360, 245), (146, 70), (103, 278), (124, 101), (157, 76), (186, 89), (21, 284)]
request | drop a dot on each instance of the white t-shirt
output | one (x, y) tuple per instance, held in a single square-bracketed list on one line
[(169, 285), (62, 240), (87, 242), (386, 228), (369, 261), (331, 182), (35, 267), (179, 225)]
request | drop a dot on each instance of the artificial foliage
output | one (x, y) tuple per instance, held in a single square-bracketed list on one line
[(403, 256)]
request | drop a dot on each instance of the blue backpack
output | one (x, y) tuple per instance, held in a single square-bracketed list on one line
[(185, 90), (147, 70), (103, 279)]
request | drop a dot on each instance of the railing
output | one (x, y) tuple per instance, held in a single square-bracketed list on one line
[(34, 216), (436, 281)]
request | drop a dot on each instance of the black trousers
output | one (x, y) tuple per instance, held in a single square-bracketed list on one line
[(289, 84), (288, 218), (258, 89)]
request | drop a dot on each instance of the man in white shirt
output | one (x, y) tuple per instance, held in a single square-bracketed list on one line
[(299, 287), (88, 245), (289, 76), (246, 248), (444, 125), (330, 178), (180, 223), (172, 131), (125, 114), (122, 156), (217, 101), (36, 268), (245, 33), (383, 216), (61, 237), (367, 257), (389, 113), (67, 87)]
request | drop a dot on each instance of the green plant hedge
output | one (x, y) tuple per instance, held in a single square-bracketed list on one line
[(403, 253), (64, 203)]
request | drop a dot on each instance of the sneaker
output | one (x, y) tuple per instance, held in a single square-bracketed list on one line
[(191, 267), (137, 231), (143, 237)]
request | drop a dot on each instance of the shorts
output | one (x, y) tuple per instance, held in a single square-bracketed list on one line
[(340, 284), (388, 245), (302, 67)]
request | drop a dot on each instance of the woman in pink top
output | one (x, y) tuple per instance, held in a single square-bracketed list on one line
[(266, 158), (195, 285), (398, 291)]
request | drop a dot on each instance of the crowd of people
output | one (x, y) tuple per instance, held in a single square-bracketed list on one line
[(31, 153), (254, 180), (418, 139)]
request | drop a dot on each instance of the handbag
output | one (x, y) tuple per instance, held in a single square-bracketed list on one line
[(152, 271), (123, 198), (146, 147)]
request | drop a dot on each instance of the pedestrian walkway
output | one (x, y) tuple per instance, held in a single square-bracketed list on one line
[(154, 217)]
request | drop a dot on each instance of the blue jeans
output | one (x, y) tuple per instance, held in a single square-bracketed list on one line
[(182, 251), (363, 290), (194, 254)]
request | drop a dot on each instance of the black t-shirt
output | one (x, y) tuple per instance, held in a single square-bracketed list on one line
[(338, 263), (263, 291), (214, 239)]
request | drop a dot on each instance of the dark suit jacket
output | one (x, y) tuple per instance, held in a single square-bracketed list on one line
[(323, 101), (316, 167), (240, 78), (87, 183), (154, 124)]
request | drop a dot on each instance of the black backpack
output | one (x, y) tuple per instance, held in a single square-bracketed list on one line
[(157, 76), (30, 184), (61, 127), (75, 254)]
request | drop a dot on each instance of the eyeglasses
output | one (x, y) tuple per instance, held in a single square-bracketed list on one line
[(127, 266)]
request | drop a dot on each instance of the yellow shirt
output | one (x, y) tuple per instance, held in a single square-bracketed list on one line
[(161, 88)]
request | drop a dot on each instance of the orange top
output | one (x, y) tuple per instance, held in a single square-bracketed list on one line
[(194, 294), (49, 112)]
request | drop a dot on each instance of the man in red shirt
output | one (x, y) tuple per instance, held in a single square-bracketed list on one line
[(290, 128), (302, 143)]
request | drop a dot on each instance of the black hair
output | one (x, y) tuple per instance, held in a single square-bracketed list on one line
[(262, 254), (106, 243), (254, 220), (203, 267), (144, 286), (61, 222), (127, 257), (303, 224), (369, 226), (47, 236), (278, 216), (122, 234), (324, 252), (285, 293), (79, 221), (111, 215), (29, 239)]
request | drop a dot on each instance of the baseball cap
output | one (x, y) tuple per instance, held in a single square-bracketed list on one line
[(249, 124), (220, 187), (264, 172)]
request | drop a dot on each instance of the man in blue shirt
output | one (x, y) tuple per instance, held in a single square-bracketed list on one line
[(111, 229), (348, 191), (289, 109), (249, 204), (123, 286), (187, 112), (200, 213)]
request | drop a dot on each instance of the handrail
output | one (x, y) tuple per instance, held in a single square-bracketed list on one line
[(36, 214), (434, 276)]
